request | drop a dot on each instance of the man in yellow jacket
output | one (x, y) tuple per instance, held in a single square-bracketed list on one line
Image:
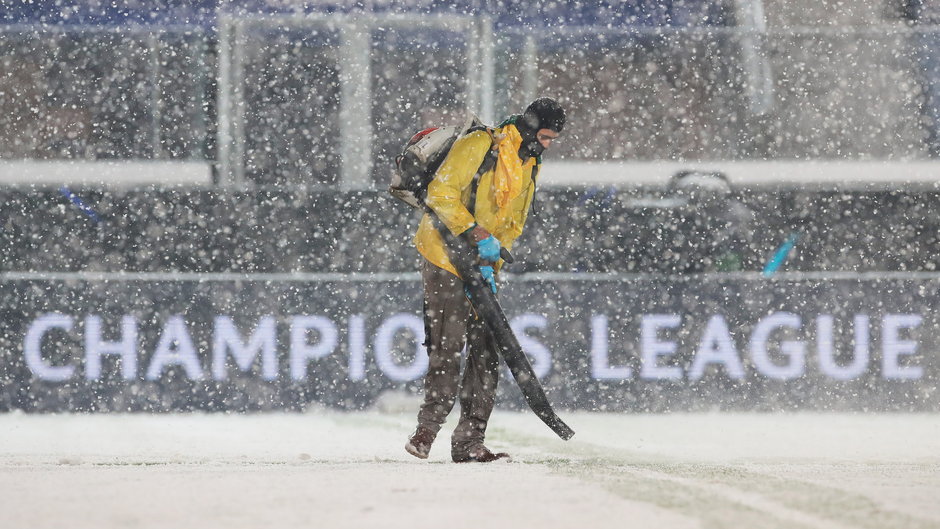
[(494, 219)]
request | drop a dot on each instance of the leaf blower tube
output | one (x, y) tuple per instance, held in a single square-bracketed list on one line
[(484, 302)]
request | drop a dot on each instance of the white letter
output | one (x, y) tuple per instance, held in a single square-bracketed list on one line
[(892, 346), (653, 349), (600, 355), (95, 347), (175, 348), (795, 350), (825, 348), (716, 347), (541, 356), (357, 347), (384, 346), (32, 347), (263, 340), (301, 352)]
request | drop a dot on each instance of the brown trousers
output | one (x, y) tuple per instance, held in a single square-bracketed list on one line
[(449, 323)]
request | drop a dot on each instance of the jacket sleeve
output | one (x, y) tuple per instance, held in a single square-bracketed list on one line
[(453, 178)]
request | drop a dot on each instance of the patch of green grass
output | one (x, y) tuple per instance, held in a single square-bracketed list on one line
[(829, 502), (712, 510)]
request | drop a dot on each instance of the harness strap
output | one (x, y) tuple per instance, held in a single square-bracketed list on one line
[(489, 161)]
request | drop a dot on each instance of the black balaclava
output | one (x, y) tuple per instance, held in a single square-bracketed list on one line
[(543, 113)]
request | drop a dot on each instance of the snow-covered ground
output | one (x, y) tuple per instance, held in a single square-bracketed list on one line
[(325, 469)]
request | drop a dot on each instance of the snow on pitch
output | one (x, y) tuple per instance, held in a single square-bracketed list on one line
[(329, 469)]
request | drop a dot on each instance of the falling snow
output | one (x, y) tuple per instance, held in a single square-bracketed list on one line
[(735, 232)]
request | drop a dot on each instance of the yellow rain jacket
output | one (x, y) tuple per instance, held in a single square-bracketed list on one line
[(449, 196)]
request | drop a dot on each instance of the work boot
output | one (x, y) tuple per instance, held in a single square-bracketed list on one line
[(478, 454), (419, 444)]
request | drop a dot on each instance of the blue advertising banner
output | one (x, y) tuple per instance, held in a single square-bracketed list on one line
[(163, 342)]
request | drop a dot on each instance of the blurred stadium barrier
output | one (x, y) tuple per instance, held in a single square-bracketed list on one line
[(323, 95)]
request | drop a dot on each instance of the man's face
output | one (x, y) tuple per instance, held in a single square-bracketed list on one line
[(545, 137)]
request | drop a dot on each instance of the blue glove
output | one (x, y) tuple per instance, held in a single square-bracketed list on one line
[(488, 276), (488, 249)]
